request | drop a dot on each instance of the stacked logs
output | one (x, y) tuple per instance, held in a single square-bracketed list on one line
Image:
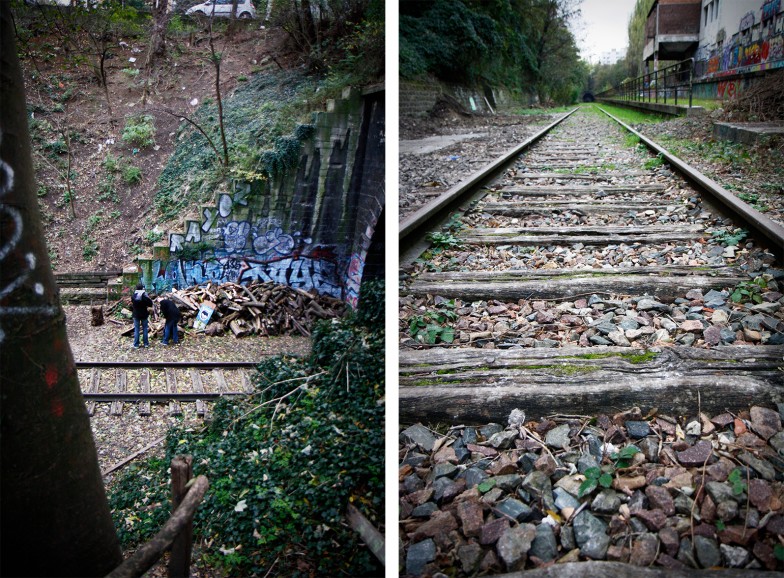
[(258, 308)]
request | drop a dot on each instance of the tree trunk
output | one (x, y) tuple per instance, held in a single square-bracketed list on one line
[(157, 47), (55, 518)]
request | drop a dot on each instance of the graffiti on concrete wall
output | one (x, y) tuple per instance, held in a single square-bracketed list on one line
[(354, 277)]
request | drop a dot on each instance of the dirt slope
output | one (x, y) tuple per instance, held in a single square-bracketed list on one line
[(115, 220)]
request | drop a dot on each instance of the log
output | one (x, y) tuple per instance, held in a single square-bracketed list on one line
[(480, 386), (96, 315), (180, 559), (143, 559)]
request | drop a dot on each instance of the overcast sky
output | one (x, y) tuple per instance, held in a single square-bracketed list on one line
[(603, 26)]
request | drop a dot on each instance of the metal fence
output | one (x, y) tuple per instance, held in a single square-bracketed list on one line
[(672, 82)]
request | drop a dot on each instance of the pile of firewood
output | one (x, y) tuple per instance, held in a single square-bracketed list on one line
[(258, 308)]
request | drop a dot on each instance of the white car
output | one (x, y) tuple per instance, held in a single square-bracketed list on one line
[(222, 8)]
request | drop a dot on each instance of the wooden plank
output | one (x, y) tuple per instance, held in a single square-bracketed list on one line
[(95, 382), (247, 385), (479, 386), (582, 189), (484, 276), (578, 207), (532, 240), (198, 387), (220, 379), (582, 230), (144, 386), (171, 387), (585, 176), (663, 288), (121, 386)]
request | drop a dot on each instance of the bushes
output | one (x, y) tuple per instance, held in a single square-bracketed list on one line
[(284, 463), (139, 131)]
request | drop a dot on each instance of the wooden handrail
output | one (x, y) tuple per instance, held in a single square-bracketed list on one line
[(144, 558)]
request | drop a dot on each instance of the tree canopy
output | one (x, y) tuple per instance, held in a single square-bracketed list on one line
[(519, 44)]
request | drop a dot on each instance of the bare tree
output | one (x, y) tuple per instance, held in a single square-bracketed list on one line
[(215, 58), (55, 518)]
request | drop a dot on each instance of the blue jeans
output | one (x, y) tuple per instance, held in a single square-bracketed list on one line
[(136, 323), (170, 331)]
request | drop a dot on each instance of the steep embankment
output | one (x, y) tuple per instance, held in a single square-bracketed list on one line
[(99, 154)]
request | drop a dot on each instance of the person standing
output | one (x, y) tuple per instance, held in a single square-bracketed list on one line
[(172, 315), (140, 301)]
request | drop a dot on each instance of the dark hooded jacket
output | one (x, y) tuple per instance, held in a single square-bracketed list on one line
[(140, 302), (169, 310)]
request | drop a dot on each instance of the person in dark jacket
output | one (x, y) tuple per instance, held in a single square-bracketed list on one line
[(140, 301), (172, 315)]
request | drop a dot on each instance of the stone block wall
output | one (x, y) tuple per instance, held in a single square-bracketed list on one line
[(312, 228), (417, 98)]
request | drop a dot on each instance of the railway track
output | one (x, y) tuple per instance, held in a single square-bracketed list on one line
[(581, 273), (142, 384)]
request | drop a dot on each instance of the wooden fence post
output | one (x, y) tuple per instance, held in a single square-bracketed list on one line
[(180, 559)]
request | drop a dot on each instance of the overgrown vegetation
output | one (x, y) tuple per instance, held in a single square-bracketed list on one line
[(264, 139), (516, 45), (285, 462)]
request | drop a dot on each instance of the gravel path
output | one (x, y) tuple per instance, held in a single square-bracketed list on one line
[(424, 176)]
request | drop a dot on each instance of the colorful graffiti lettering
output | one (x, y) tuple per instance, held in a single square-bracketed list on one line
[(728, 89), (354, 278), (770, 8), (300, 272), (273, 242), (775, 48), (235, 236)]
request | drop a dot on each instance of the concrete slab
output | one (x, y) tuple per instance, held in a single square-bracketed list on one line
[(747, 132), (433, 143), (679, 110)]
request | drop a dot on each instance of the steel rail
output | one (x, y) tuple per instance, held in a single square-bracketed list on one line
[(166, 364), (762, 225), (414, 227), (161, 397)]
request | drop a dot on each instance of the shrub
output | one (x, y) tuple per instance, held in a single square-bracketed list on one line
[(139, 131), (132, 175)]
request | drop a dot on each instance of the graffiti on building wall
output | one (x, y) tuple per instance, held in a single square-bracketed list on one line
[(757, 45), (728, 88)]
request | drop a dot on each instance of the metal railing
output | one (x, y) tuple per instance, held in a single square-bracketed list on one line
[(672, 82)]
